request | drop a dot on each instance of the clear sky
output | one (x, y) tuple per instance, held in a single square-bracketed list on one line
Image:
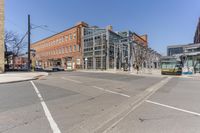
[(166, 22)]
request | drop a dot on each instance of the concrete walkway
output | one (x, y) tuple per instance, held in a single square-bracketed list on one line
[(10, 77), (152, 73)]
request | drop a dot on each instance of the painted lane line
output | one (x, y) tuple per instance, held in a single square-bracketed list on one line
[(52, 123), (146, 94), (75, 81), (111, 91), (172, 107)]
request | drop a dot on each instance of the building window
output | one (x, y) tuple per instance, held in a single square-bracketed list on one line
[(74, 35), (66, 38), (63, 50), (70, 36), (74, 48), (70, 48), (78, 48), (66, 49)]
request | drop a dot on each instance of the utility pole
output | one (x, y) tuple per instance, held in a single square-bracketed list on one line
[(29, 42)]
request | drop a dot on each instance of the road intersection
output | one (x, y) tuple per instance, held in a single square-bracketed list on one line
[(81, 102)]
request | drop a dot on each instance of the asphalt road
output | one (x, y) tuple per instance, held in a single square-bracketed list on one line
[(80, 102)]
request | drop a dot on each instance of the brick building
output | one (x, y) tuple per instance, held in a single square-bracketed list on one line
[(141, 39), (62, 49), (1, 35)]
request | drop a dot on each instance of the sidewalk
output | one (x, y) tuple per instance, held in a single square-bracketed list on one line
[(193, 76), (151, 73), (11, 77), (145, 73)]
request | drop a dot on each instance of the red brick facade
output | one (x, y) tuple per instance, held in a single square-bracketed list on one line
[(141, 39), (62, 49)]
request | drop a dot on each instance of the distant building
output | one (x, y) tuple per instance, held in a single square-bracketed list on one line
[(197, 33), (91, 47), (191, 58), (19, 62), (189, 54), (99, 47), (105, 49), (174, 50), (62, 49), (143, 40)]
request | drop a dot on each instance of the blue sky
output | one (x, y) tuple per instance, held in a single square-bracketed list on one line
[(166, 22)]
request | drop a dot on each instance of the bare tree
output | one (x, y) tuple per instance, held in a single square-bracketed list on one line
[(140, 55), (14, 44)]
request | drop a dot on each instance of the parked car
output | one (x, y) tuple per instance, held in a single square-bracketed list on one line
[(54, 69), (38, 68), (57, 68)]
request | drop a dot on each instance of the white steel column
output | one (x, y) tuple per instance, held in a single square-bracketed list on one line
[(120, 55), (101, 51), (131, 58), (107, 50), (115, 63), (93, 56)]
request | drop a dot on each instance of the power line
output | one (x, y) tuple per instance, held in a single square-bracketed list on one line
[(16, 25), (49, 30), (44, 28)]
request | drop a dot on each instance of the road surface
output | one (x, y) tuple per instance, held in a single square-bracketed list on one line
[(81, 102)]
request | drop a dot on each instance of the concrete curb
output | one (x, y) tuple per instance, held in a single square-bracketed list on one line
[(23, 80), (16, 81)]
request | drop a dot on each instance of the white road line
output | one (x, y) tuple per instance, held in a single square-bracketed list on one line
[(111, 91), (75, 81), (52, 123), (171, 107), (151, 90)]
